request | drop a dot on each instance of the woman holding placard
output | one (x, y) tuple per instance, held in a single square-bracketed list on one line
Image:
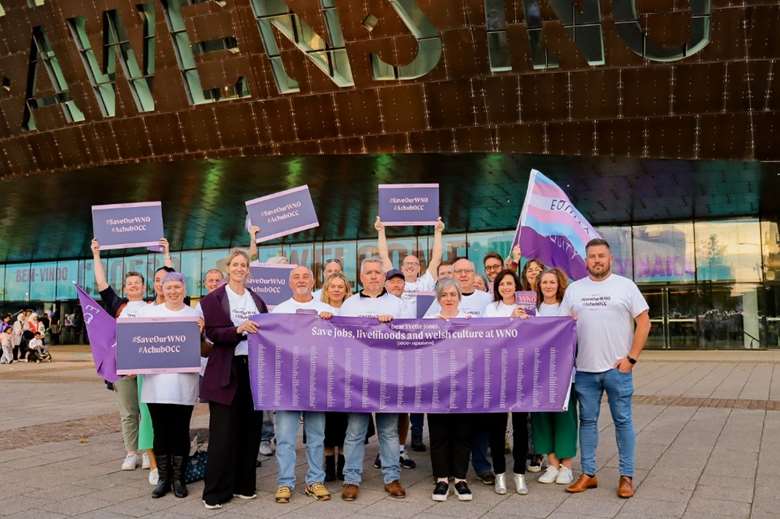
[(505, 285), (171, 397), (555, 433), (234, 425)]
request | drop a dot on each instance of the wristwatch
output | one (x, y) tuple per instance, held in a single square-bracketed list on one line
[(631, 359)]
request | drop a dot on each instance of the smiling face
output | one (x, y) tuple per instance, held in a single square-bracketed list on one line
[(213, 280), (337, 290), (492, 268), (464, 274), (410, 266), (445, 271), (158, 277), (134, 288), (301, 282), (507, 288), (395, 286), (548, 284), (238, 269), (449, 300), (331, 267), (174, 293), (599, 261), (532, 273)]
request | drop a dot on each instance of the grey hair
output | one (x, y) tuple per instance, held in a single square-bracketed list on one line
[(444, 284), (372, 259), (301, 267), (216, 271), (237, 252)]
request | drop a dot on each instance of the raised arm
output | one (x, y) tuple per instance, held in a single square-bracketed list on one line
[(166, 250), (100, 272), (253, 230), (381, 244), (436, 252)]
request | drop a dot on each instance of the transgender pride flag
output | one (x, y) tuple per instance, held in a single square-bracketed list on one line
[(551, 229)]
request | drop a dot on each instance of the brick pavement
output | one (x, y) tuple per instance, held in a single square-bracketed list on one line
[(708, 442)]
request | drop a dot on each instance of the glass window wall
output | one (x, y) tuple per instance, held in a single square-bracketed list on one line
[(664, 253)]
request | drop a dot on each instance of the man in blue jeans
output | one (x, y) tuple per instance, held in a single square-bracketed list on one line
[(612, 329)]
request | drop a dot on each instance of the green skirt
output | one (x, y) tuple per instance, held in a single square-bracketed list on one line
[(145, 429)]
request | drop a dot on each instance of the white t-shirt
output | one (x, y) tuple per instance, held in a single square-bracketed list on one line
[(499, 309), (292, 306), (242, 307), (169, 388), (546, 310), (359, 305), (317, 294), (472, 304), (424, 283), (605, 312), (132, 308)]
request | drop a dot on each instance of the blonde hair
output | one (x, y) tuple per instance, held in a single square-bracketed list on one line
[(237, 252), (326, 286)]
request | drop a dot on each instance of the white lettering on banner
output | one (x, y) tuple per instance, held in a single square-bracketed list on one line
[(129, 220), (139, 339), (159, 349), (159, 344)]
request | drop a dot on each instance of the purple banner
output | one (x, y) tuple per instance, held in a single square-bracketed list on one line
[(157, 345), (101, 331), (301, 362), (122, 226), (282, 213), (271, 282), (409, 204)]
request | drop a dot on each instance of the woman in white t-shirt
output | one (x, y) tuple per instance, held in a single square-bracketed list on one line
[(335, 291), (171, 398), (555, 434)]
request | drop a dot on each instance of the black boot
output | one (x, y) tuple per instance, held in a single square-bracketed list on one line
[(330, 468), (340, 468), (417, 443), (164, 471), (179, 488)]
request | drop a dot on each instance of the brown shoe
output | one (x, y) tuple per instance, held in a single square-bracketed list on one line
[(583, 483), (625, 487), (349, 492), (395, 489)]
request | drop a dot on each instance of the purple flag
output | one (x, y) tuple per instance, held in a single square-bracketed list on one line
[(551, 229), (101, 330), (353, 364)]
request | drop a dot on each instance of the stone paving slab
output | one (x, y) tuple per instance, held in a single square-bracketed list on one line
[(708, 445)]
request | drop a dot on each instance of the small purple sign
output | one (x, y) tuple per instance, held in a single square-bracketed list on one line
[(271, 282), (409, 204), (354, 364), (282, 213), (123, 226), (526, 299), (424, 300), (154, 345)]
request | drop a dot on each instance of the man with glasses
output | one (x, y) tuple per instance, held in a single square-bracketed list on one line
[(493, 264)]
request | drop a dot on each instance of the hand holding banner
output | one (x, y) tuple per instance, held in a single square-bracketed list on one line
[(271, 282), (149, 345), (123, 226), (282, 213), (408, 204)]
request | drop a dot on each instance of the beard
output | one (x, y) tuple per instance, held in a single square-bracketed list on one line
[(600, 274)]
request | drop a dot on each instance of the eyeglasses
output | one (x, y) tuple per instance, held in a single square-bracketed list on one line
[(492, 267)]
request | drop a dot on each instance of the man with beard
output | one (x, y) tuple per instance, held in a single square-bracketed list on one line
[(612, 329)]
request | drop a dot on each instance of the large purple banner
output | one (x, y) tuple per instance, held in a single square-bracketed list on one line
[(302, 362)]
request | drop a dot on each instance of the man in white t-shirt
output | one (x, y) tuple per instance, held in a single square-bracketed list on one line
[(612, 329), (472, 302), (331, 267), (301, 284), (410, 265), (372, 301)]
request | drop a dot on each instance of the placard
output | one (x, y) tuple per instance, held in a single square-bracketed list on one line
[(124, 226), (271, 282), (282, 213), (408, 204), (151, 345), (526, 299)]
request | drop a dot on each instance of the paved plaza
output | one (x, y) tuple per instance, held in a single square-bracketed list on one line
[(708, 431)]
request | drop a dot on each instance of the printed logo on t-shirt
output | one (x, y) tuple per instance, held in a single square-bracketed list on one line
[(241, 314), (596, 301)]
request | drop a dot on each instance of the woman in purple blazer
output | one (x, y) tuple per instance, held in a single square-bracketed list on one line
[(234, 425)]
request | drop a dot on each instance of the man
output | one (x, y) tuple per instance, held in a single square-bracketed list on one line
[(472, 302), (213, 279), (410, 265), (301, 284), (372, 301), (493, 264), (612, 329), (444, 270), (331, 267)]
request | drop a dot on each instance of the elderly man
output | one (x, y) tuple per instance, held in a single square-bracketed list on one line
[(372, 301), (301, 284), (473, 302)]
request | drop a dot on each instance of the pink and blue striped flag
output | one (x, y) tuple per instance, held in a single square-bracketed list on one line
[(551, 229), (101, 330)]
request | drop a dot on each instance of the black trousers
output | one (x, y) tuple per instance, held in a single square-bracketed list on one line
[(495, 425), (234, 440), (171, 424), (450, 438), (335, 429)]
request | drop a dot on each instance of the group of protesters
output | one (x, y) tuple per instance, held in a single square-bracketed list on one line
[(612, 328)]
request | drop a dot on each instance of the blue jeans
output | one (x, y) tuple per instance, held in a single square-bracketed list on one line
[(479, 452), (619, 387), (286, 434), (267, 431), (355, 447)]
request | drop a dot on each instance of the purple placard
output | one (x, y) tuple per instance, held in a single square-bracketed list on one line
[(154, 345), (423, 301), (282, 213), (409, 204), (271, 282), (123, 226), (526, 299), (352, 364)]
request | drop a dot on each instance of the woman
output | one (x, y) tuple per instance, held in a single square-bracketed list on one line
[(555, 433), (234, 425), (481, 283), (530, 274), (18, 330), (504, 287), (450, 434), (335, 291), (171, 398)]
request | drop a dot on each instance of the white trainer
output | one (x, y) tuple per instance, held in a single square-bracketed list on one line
[(146, 463), (130, 462), (565, 476), (549, 475), (266, 448), (154, 477), (520, 485)]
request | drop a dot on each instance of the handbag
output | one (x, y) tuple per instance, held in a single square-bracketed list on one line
[(196, 467)]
